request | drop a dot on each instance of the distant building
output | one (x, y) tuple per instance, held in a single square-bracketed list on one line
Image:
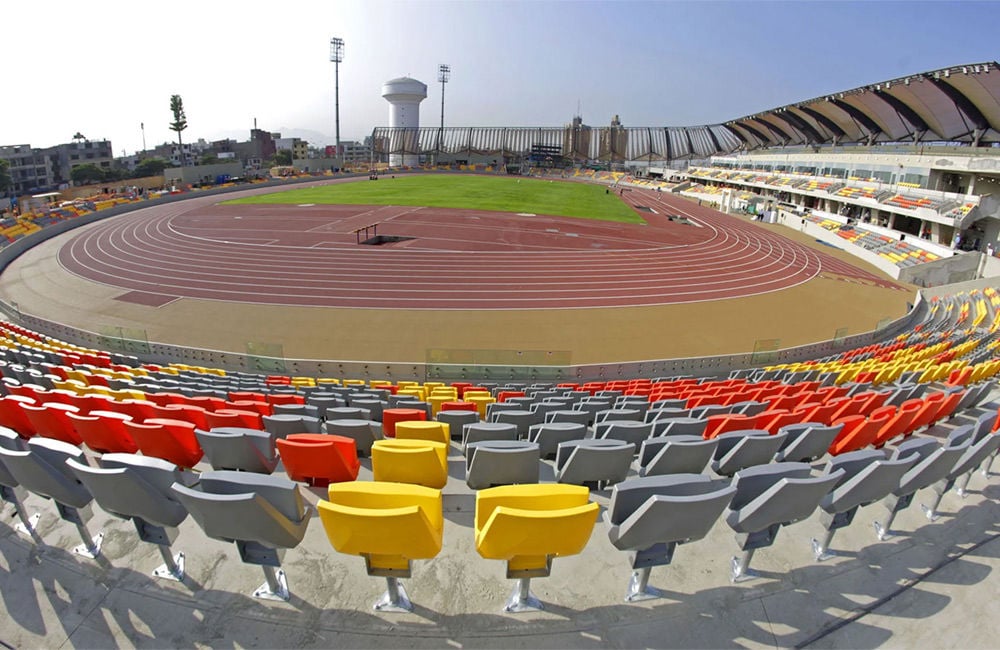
[(30, 171), (62, 158), (352, 152), (298, 147)]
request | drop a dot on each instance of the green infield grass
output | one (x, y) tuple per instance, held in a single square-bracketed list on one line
[(497, 193)]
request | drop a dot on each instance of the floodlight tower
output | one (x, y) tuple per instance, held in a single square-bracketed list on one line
[(336, 56), (444, 74)]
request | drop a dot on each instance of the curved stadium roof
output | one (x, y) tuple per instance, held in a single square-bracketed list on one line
[(958, 104)]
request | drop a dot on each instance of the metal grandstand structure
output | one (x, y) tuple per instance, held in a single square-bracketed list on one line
[(582, 143), (959, 104)]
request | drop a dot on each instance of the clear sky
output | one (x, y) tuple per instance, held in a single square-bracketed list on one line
[(104, 67)]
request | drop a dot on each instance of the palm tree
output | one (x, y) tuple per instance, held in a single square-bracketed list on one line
[(179, 123)]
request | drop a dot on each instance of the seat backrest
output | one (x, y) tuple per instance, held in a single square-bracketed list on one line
[(867, 477), (373, 495), (480, 431), (501, 462), (810, 443), (585, 461), (280, 493), (420, 462), (787, 500), (423, 430), (456, 420), (975, 455), (751, 482), (10, 441), (542, 519), (238, 448), (42, 468), (678, 455), (283, 424), (682, 510), (932, 468), (632, 431), (319, 456), (129, 485), (628, 496), (749, 451)]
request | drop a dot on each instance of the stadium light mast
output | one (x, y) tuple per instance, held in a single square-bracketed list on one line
[(336, 56), (444, 74)]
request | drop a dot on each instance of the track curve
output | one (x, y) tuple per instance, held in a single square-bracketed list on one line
[(457, 259)]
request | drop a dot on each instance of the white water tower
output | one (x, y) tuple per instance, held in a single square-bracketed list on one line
[(404, 96)]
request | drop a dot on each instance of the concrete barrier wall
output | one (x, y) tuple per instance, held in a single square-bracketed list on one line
[(949, 270)]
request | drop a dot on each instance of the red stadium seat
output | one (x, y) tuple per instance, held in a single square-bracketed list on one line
[(13, 416), (104, 431), (899, 423), (171, 440), (274, 399), (319, 459), (50, 421), (718, 424), (234, 418)]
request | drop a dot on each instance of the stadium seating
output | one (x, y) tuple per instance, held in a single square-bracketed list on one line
[(390, 525), (264, 515), (529, 525)]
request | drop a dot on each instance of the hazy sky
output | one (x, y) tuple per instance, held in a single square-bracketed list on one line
[(104, 67)]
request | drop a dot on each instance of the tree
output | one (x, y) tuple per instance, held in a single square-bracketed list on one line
[(179, 123), (150, 167), (208, 159), (5, 180), (85, 174), (283, 157), (78, 136)]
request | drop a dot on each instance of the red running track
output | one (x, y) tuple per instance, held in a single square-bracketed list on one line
[(458, 259)]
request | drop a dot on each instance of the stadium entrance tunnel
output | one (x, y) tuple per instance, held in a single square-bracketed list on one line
[(384, 240)]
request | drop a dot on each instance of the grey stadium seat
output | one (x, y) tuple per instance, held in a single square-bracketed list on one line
[(595, 463), (137, 488), (767, 498), (806, 441), (238, 448), (501, 462), (868, 476), (650, 516), (675, 455), (745, 448), (363, 432), (935, 463), (551, 434), (632, 431), (41, 468), (264, 515), (284, 424), (485, 431)]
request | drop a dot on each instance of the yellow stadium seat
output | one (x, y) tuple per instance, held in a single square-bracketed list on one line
[(388, 524), (431, 430), (420, 462), (480, 400), (528, 526)]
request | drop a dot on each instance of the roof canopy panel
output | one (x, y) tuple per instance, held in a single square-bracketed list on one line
[(956, 104)]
